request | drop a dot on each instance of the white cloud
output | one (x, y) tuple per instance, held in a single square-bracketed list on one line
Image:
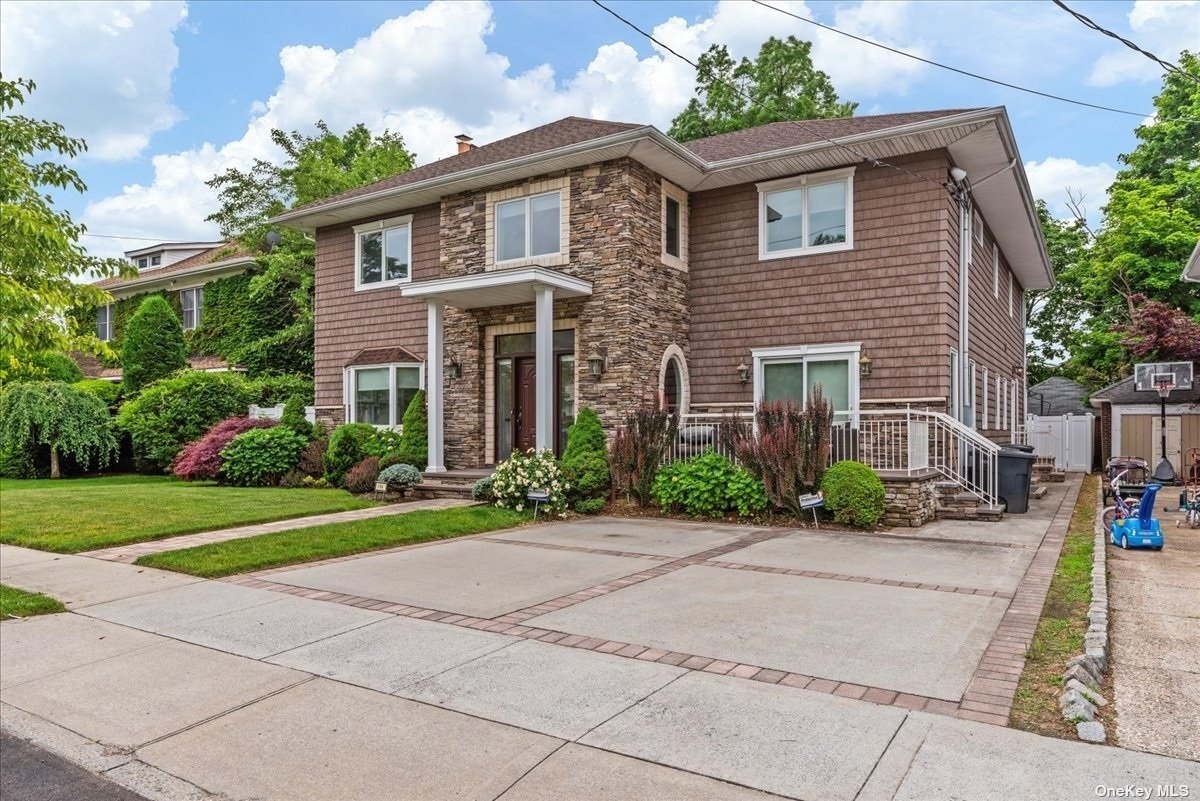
[(1164, 27), (1051, 178), (102, 69), (450, 81)]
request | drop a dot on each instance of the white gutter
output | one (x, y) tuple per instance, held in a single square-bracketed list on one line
[(150, 280)]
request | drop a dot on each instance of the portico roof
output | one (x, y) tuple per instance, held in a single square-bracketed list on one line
[(498, 287)]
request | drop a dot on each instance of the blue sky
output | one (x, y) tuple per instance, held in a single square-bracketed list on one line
[(170, 93)]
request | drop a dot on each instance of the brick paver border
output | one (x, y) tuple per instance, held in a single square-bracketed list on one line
[(988, 697)]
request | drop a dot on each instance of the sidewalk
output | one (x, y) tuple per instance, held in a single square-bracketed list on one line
[(129, 554)]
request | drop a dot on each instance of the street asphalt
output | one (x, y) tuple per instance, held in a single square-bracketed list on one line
[(29, 773)]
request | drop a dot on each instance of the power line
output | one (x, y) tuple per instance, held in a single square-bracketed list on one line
[(139, 238), (968, 73), (802, 126), (1088, 22)]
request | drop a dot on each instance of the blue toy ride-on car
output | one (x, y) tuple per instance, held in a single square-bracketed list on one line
[(1141, 530)]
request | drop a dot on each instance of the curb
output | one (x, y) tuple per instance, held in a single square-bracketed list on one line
[(1082, 678)]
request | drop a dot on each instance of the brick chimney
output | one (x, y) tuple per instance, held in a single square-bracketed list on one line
[(464, 143)]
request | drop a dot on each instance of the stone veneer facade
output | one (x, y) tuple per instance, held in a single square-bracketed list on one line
[(637, 309)]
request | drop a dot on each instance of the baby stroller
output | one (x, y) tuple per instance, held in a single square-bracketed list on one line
[(1126, 475)]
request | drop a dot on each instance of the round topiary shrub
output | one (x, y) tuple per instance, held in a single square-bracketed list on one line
[(348, 446), (362, 477), (481, 490), (400, 477), (854, 494), (259, 457)]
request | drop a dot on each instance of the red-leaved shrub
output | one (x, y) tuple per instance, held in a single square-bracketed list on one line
[(361, 477), (312, 458), (201, 460)]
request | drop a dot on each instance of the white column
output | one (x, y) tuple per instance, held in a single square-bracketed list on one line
[(543, 302), (433, 389)]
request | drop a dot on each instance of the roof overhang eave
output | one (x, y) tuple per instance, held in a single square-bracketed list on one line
[(222, 268)]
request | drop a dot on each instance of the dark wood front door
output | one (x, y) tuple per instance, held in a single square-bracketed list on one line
[(525, 408)]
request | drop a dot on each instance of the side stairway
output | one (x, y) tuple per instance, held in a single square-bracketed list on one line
[(955, 503), (451, 484)]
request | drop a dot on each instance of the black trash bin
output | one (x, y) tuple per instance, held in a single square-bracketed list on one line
[(1014, 469), (1016, 447)]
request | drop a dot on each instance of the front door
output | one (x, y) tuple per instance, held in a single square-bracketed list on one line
[(525, 408)]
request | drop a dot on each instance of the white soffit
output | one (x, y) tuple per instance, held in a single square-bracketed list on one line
[(497, 287)]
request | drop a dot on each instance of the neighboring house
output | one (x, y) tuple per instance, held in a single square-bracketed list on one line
[(179, 271), (1191, 270), (94, 368), (1131, 425), (1057, 396), (603, 264)]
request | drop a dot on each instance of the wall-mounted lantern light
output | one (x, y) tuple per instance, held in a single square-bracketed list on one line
[(455, 368), (743, 371), (864, 365), (596, 364)]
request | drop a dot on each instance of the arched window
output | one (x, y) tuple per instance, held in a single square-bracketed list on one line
[(673, 381)]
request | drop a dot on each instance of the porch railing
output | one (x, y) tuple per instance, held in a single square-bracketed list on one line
[(890, 441)]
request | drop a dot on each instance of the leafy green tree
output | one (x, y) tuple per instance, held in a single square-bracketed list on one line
[(51, 413), (41, 259), (780, 84), (153, 346), (314, 167), (1053, 316), (47, 366), (1151, 224)]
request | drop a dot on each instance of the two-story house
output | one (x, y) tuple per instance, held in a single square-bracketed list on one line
[(179, 271), (604, 264)]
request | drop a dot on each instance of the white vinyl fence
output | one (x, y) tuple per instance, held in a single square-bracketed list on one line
[(276, 412), (1067, 438)]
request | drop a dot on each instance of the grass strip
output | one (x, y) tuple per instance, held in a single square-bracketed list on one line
[(1059, 634), (22, 603), (330, 541), (69, 515)]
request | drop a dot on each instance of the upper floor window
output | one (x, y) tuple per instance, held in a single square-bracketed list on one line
[(807, 214), (383, 253), (671, 228), (528, 226), (191, 301), (142, 263), (674, 226), (104, 323), (155, 261)]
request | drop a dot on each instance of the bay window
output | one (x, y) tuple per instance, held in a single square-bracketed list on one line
[(528, 226), (379, 394), (806, 214), (383, 253), (192, 302)]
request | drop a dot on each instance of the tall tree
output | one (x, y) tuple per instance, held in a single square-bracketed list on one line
[(41, 258), (314, 167), (1151, 224), (780, 84), (153, 346), (1054, 315)]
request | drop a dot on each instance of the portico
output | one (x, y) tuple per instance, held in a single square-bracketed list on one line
[(483, 290)]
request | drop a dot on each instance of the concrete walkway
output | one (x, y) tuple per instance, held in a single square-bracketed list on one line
[(129, 554), (721, 662), (1155, 606)]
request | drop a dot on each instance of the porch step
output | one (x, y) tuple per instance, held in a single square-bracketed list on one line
[(463, 477), (442, 489), (954, 503), (1039, 491)]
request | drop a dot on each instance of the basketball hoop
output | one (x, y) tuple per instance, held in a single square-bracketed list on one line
[(1163, 384)]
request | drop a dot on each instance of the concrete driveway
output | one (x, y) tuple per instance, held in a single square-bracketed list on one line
[(603, 658)]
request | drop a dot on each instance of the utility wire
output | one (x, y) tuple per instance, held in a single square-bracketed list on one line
[(139, 238), (968, 73), (877, 162), (1088, 22)]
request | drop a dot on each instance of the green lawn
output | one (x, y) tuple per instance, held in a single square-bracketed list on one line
[(79, 514), (22, 603), (336, 539)]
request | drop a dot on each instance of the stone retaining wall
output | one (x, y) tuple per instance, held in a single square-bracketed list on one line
[(911, 501)]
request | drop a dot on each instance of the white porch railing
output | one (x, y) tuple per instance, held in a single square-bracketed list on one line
[(896, 441)]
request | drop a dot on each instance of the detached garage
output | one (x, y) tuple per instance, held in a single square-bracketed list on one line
[(1130, 423)]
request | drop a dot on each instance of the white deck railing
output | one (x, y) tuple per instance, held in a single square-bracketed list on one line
[(890, 441)]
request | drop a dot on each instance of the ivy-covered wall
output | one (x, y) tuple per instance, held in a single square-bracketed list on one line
[(257, 325)]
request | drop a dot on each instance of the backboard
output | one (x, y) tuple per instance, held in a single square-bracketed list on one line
[(1149, 376)]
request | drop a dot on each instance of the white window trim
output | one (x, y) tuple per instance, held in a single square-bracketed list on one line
[(348, 385), (977, 225), (675, 352), (1010, 294), (969, 396), (543, 187), (198, 312), (846, 174), (669, 190), (381, 226), (784, 355), (108, 324), (995, 270), (984, 403)]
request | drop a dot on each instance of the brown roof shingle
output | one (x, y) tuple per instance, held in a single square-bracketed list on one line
[(386, 355), (224, 252), (564, 132), (780, 135)]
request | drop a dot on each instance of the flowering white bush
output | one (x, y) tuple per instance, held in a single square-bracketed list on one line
[(533, 470)]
